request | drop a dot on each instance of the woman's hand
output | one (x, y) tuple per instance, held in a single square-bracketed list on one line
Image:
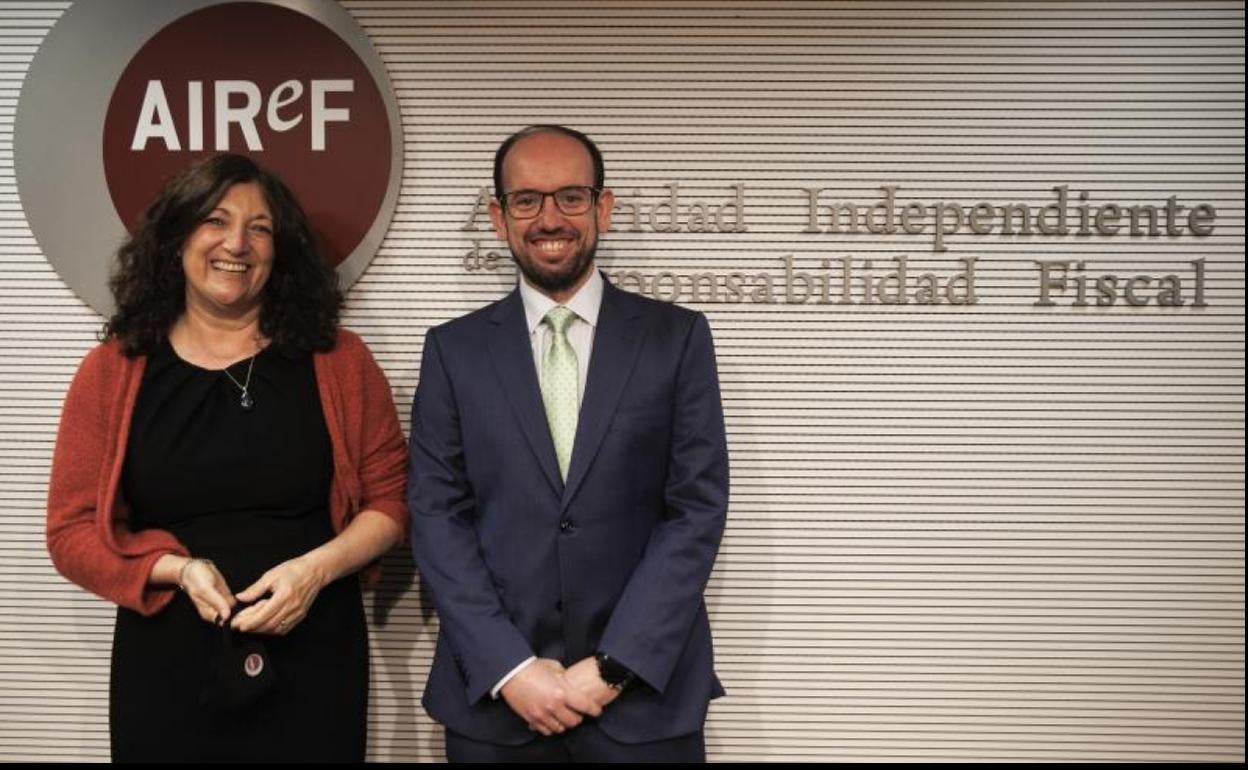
[(201, 581), (291, 587)]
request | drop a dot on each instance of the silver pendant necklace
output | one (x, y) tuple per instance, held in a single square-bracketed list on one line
[(245, 401)]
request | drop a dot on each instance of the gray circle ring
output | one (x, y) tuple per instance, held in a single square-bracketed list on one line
[(58, 134)]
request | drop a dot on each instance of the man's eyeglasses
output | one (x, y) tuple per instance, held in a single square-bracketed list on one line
[(572, 200)]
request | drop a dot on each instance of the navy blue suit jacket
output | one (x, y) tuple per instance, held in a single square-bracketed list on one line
[(519, 563)]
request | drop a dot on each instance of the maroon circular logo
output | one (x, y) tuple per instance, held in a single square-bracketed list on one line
[(253, 664), (265, 81)]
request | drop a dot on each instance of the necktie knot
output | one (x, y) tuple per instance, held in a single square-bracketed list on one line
[(559, 318)]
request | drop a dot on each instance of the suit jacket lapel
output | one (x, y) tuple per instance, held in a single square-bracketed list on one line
[(617, 341), (512, 354)]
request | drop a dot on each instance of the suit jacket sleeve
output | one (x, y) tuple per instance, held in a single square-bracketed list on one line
[(651, 622), (444, 537)]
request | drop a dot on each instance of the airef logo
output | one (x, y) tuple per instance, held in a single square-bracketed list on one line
[(297, 86)]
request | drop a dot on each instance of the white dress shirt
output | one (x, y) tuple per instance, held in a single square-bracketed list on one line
[(585, 303)]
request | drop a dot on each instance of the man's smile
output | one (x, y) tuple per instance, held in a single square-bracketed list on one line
[(552, 246)]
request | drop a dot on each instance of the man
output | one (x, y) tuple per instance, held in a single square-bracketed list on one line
[(568, 489)]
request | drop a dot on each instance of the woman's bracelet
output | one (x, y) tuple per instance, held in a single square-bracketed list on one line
[(182, 572)]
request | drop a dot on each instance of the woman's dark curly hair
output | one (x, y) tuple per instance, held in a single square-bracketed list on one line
[(299, 303)]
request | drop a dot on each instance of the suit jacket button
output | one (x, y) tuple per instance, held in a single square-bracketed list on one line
[(566, 525)]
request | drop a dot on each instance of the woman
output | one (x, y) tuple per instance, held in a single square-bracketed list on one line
[(227, 459)]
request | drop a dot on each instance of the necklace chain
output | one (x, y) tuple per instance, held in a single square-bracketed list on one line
[(245, 400)]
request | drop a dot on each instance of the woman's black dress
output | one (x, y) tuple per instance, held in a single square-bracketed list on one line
[(247, 489)]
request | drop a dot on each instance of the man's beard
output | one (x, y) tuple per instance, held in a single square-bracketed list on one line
[(553, 282)]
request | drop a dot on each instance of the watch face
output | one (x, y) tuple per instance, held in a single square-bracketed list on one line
[(613, 672)]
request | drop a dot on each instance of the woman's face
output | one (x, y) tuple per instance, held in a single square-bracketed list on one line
[(228, 256)]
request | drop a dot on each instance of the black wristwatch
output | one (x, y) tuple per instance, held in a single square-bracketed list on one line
[(614, 673)]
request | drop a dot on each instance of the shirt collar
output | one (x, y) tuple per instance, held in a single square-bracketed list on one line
[(585, 303)]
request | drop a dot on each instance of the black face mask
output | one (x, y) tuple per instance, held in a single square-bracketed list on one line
[(240, 672)]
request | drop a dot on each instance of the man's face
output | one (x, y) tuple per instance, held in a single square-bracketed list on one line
[(553, 250)]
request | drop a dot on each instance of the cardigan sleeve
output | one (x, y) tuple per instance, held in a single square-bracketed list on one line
[(88, 542), (383, 455), (370, 453)]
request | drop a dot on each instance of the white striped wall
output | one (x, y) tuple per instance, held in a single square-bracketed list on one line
[(980, 532)]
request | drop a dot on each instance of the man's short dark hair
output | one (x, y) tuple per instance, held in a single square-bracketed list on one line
[(523, 133)]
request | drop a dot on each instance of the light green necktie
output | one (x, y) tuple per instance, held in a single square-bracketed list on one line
[(559, 385)]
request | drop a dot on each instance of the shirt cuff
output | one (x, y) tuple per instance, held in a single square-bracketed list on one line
[(503, 682)]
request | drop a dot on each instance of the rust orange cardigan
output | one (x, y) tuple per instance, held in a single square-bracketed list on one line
[(88, 537)]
